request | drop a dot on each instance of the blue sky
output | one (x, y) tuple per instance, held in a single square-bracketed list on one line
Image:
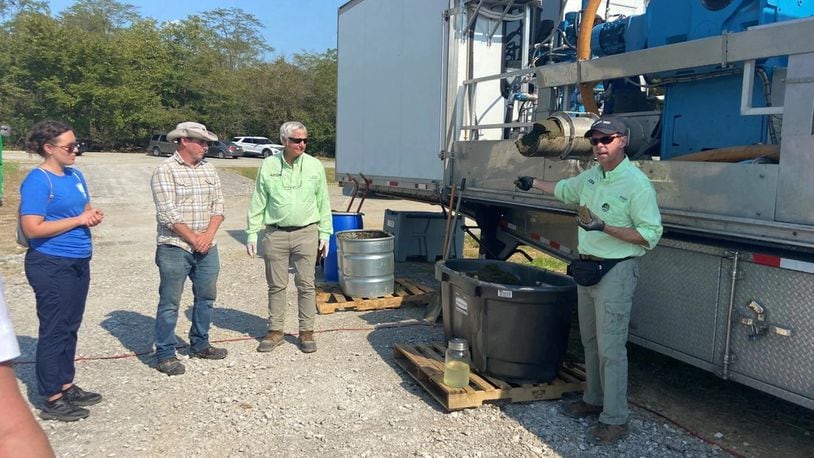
[(289, 26)]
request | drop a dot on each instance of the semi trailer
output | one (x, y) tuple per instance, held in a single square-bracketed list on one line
[(718, 96)]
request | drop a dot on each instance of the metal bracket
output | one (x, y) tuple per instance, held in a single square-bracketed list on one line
[(747, 87), (758, 325), (444, 155), (446, 14)]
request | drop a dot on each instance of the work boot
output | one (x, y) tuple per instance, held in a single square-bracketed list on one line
[(272, 340), (79, 397), (61, 409), (605, 434), (209, 352), (171, 366), (579, 409), (307, 344)]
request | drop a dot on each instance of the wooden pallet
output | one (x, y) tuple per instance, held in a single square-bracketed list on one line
[(425, 363), (405, 292)]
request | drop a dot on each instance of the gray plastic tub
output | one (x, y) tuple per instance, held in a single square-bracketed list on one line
[(517, 333)]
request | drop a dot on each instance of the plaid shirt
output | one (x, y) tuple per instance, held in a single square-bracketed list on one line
[(185, 194)]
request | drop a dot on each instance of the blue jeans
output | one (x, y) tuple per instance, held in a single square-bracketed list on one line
[(61, 287), (174, 266)]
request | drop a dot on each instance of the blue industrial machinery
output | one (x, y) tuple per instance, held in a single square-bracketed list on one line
[(701, 105)]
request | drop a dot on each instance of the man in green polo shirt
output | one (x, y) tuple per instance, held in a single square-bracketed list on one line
[(619, 221), (291, 202)]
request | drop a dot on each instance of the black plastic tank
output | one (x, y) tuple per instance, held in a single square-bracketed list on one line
[(517, 332)]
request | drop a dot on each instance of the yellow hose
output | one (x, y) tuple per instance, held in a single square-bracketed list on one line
[(586, 90)]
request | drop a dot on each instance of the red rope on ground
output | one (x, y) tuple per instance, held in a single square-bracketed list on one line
[(243, 338), (391, 326), (688, 430)]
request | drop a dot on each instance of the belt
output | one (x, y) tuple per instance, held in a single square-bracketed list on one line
[(287, 228), (588, 257)]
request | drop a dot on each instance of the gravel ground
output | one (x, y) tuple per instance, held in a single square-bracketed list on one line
[(348, 398)]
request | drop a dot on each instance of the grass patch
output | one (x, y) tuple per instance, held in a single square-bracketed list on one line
[(11, 168), (251, 172), (540, 259), (13, 174), (248, 172)]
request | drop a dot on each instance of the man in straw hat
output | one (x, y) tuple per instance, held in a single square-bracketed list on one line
[(189, 210)]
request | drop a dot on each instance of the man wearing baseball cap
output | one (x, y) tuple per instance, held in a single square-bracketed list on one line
[(189, 210), (618, 220)]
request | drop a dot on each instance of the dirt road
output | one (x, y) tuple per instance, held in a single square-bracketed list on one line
[(349, 398)]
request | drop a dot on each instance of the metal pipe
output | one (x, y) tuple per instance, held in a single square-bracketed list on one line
[(449, 219), (364, 194), (499, 21), (455, 217), (560, 135), (353, 194), (474, 16), (728, 357)]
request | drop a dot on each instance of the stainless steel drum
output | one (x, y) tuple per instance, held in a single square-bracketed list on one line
[(366, 264)]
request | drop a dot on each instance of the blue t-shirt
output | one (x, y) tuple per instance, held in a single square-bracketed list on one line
[(68, 199)]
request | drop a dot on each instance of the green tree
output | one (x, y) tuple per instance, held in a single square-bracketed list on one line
[(319, 102), (11, 8), (124, 76), (237, 37), (100, 16)]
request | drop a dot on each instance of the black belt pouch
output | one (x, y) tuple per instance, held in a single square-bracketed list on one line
[(589, 273)]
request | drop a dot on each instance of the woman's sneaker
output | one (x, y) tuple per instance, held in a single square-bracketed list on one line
[(79, 397), (61, 409)]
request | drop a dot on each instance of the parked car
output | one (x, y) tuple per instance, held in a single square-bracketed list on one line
[(85, 145), (257, 146), (224, 149), (159, 145)]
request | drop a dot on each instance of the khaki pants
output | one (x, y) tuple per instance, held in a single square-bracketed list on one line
[(300, 248), (604, 315)]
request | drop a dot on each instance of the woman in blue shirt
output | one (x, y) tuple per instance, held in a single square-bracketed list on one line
[(56, 217)]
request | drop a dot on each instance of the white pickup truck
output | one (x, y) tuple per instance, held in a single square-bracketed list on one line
[(257, 146)]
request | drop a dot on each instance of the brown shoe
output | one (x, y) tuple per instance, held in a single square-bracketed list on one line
[(605, 434), (272, 340), (307, 344), (580, 409)]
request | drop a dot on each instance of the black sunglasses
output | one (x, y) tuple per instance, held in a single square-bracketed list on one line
[(297, 140), (604, 140)]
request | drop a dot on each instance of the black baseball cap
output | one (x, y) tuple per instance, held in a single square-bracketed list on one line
[(608, 125)]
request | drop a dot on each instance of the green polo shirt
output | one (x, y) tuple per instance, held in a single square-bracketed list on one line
[(290, 195), (622, 197)]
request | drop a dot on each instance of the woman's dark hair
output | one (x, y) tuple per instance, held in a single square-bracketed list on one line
[(44, 132)]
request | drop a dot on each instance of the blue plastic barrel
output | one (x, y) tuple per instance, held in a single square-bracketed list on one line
[(342, 222)]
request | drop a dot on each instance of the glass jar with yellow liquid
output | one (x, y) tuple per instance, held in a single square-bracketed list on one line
[(456, 364)]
